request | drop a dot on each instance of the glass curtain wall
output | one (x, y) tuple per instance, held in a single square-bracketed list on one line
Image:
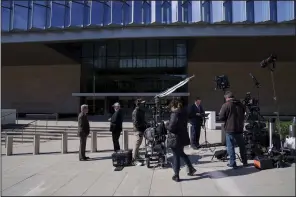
[(25, 15), (131, 66)]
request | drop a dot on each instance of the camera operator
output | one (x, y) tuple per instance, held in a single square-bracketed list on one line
[(178, 138), (196, 113), (139, 124), (232, 113)]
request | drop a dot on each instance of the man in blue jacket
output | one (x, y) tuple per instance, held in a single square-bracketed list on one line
[(196, 113)]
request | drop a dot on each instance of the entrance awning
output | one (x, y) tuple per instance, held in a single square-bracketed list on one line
[(135, 94)]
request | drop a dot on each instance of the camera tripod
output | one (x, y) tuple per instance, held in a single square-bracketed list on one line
[(206, 144)]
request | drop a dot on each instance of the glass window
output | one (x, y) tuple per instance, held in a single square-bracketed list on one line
[(87, 50), (166, 12), (146, 12), (24, 3), (113, 48), (227, 6), (77, 13), (180, 47), (273, 10), (21, 16), (139, 47), (5, 18), (126, 12), (250, 11), (206, 11), (100, 50), (116, 12), (166, 47), (126, 48), (58, 14), (100, 12), (186, 11), (180, 61), (152, 47), (40, 13)]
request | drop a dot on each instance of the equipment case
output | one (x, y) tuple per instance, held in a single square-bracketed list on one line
[(122, 158)]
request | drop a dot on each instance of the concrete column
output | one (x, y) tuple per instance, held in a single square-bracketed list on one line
[(36, 142), (94, 141), (64, 143), (125, 139), (189, 132), (9, 146)]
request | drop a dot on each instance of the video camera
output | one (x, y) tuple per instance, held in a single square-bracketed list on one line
[(250, 102), (222, 82)]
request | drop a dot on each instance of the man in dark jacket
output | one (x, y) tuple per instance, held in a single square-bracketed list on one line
[(83, 131), (116, 126), (232, 113), (196, 113), (178, 137), (139, 124)]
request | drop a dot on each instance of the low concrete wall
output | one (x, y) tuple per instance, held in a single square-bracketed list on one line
[(8, 116)]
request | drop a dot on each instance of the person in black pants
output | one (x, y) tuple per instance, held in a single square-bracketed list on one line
[(83, 131), (196, 113), (178, 138), (116, 126)]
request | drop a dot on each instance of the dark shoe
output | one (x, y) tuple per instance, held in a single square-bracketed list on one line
[(176, 178), (232, 166), (191, 171), (86, 158), (83, 159), (245, 164)]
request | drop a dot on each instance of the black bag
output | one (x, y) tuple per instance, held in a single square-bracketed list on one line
[(172, 140), (122, 158), (221, 154)]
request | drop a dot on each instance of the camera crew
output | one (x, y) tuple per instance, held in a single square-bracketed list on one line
[(232, 113), (196, 113), (139, 124), (178, 138)]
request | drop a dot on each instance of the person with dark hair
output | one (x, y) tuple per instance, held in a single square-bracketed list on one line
[(178, 137), (139, 125), (232, 113), (196, 113)]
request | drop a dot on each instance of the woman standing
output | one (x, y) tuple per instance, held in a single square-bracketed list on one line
[(178, 138)]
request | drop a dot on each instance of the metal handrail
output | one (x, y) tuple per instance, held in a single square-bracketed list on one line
[(22, 129)]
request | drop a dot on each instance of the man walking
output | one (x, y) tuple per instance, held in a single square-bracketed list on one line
[(232, 113), (139, 124), (116, 126), (83, 131), (196, 113)]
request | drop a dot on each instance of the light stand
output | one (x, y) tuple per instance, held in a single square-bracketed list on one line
[(206, 144), (272, 69)]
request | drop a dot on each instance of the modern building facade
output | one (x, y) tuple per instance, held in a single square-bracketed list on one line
[(57, 55)]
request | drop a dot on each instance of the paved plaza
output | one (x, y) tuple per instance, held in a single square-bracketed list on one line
[(55, 174)]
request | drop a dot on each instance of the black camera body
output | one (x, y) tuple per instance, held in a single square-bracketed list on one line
[(270, 60), (222, 82)]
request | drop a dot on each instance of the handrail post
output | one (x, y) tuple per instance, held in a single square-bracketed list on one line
[(125, 140), (9, 147), (36, 142), (94, 141), (64, 142)]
